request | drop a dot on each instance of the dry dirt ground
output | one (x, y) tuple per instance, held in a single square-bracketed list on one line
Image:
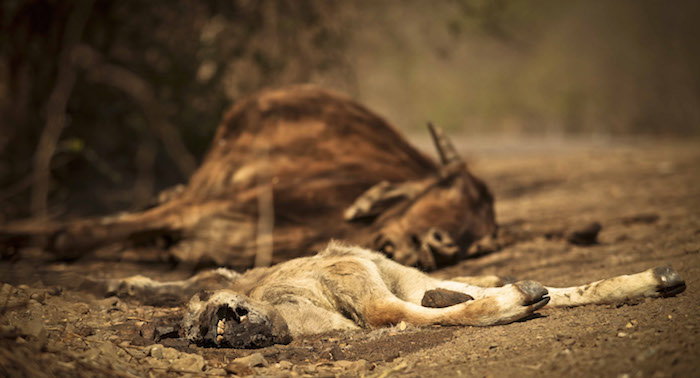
[(645, 194)]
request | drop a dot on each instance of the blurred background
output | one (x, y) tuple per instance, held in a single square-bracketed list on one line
[(105, 102)]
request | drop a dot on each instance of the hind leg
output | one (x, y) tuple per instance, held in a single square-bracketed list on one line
[(362, 290), (413, 285)]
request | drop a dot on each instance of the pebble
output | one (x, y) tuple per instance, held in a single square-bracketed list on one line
[(81, 308), (189, 362), (255, 359), (39, 297), (170, 353), (621, 334), (284, 365), (217, 372), (55, 291), (156, 351), (239, 369), (354, 366)]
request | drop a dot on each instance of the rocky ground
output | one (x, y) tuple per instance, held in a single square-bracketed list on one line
[(644, 194)]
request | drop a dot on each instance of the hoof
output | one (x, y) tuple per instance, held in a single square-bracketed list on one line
[(670, 283), (440, 298), (535, 294)]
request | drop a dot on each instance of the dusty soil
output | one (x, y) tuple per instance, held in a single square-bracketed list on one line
[(645, 194)]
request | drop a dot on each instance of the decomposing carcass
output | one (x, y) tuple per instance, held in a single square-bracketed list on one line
[(287, 171)]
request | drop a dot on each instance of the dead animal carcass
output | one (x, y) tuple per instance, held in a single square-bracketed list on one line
[(290, 169)]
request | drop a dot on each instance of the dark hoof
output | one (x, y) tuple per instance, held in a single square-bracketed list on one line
[(670, 282), (535, 293), (440, 298)]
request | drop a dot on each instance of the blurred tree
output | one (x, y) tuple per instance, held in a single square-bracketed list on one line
[(119, 83)]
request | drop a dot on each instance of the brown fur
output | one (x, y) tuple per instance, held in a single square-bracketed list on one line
[(317, 152)]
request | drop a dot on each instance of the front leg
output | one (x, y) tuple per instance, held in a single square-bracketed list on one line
[(153, 292), (656, 282)]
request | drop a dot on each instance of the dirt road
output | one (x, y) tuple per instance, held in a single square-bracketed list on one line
[(645, 194)]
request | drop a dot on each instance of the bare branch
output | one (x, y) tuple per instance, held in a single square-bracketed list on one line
[(56, 109), (141, 91)]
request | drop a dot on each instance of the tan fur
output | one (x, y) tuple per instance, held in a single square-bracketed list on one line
[(345, 287)]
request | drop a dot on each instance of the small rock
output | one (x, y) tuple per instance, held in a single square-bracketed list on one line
[(255, 359), (32, 327), (587, 235), (152, 361), (79, 344), (568, 342), (189, 362), (39, 297), (621, 334), (354, 366), (165, 332), (109, 302), (148, 331), (401, 326), (284, 365), (170, 353), (155, 351), (81, 308), (217, 372), (137, 353), (107, 349), (34, 302), (91, 354), (239, 369), (334, 353)]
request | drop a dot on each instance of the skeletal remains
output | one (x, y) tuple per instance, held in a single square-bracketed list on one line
[(327, 168)]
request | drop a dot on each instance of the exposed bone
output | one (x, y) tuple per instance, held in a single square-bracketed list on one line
[(448, 153), (220, 326)]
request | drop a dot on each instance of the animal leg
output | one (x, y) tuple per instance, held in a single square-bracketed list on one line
[(361, 291), (515, 302), (147, 290), (656, 282), (484, 281), (412, 285)]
